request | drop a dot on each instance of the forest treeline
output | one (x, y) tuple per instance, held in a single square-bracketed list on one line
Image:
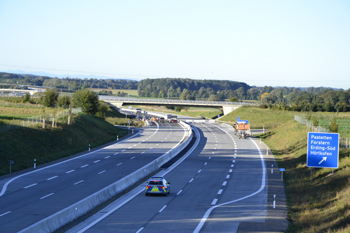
[(286, 98), (66, 84)]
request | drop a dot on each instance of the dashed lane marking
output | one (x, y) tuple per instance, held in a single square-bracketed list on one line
[(162, 209), (101, 172), (224, 183), (46, 196), (220, 191), (78, 182), (97, 161), (191, 180), (85, 165), (51, 178), (179, 192), (214, 201), (70, 171), (228, 176), (119, 164), (5, 213), (30, 185)]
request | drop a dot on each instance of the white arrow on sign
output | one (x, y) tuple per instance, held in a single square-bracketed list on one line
[(323, 159)]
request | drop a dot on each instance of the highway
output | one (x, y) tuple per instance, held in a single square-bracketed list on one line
[(220, 184), (29, 198)]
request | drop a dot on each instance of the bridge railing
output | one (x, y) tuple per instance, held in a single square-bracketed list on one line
[(219, 103)]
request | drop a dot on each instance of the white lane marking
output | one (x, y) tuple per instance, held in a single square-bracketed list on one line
[(230, 170), (209, 157), (140, 230), (139, 143), (214, 201), (207, 213), (215, 148), (143, 152), (143, 140), (123, 150), (135, 145), (129, 147), (46, 196), (78, 182), (162, 209), (151, 148), (85, 165), (234, 157), (101, 172), (70, 171), (51, 178), (225, 183), (107, 157), (228, 176), (97, 161), (30, 185), (232, 165), (199, 170), (205, 163), (216, 144), (220, 191), (191, 180), (157, 144), (179, 192), (119, 164), (212, 152), (116, 153), (233, 161), (162, 141), (132, 157), (5, 213)]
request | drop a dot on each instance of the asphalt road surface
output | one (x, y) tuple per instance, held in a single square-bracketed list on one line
[(220, 184), (29, 198)]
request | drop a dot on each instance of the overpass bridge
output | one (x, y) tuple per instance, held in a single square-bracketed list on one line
[(226, 107)]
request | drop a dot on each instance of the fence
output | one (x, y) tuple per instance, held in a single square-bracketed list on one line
[(343, 142), (35, 120)]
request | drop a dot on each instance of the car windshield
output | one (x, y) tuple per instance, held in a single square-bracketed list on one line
[(156, 182)]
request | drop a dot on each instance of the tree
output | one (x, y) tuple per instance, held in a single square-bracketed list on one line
[(63, 101), (87, 100), (233, 99), (50, 98), (102, 109), (26, 98)]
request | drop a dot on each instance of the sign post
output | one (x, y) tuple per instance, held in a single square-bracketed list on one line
[(11, 162), (322, 150)]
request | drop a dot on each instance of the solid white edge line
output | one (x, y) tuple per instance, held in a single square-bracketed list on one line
[(263, 177), (3, 190), (5, 213)]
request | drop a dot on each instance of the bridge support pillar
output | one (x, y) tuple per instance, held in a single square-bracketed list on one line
[(117, 104), (228, 109)]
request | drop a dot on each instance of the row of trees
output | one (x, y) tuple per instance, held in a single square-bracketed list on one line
[(324, 99), (86, 99)]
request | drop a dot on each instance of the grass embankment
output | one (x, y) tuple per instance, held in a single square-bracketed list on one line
[(23, 145), (116, 118), (259, 118), (320, 206)]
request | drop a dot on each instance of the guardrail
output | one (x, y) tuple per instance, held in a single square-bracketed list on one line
[(76, 210)]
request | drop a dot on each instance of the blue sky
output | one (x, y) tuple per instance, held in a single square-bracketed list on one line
[(278, 43)]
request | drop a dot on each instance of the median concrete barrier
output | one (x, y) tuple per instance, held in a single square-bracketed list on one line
[(74, 211)]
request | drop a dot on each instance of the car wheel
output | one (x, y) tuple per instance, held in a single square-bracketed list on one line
[(146, 194)]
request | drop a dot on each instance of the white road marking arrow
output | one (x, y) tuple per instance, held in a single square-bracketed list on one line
[(323, 159)]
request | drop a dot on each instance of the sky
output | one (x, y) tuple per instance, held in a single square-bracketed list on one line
[(262, 43)]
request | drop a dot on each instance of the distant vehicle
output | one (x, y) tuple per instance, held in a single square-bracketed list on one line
[(173, 119), (161, 120), (157, 185), (130, 107), (168, 117)]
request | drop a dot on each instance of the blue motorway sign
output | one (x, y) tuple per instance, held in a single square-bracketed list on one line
[(242, 121), (322, 150)]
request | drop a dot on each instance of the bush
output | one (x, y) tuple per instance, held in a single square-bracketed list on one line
[(87, 100), (50, 98), (102, 109)]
